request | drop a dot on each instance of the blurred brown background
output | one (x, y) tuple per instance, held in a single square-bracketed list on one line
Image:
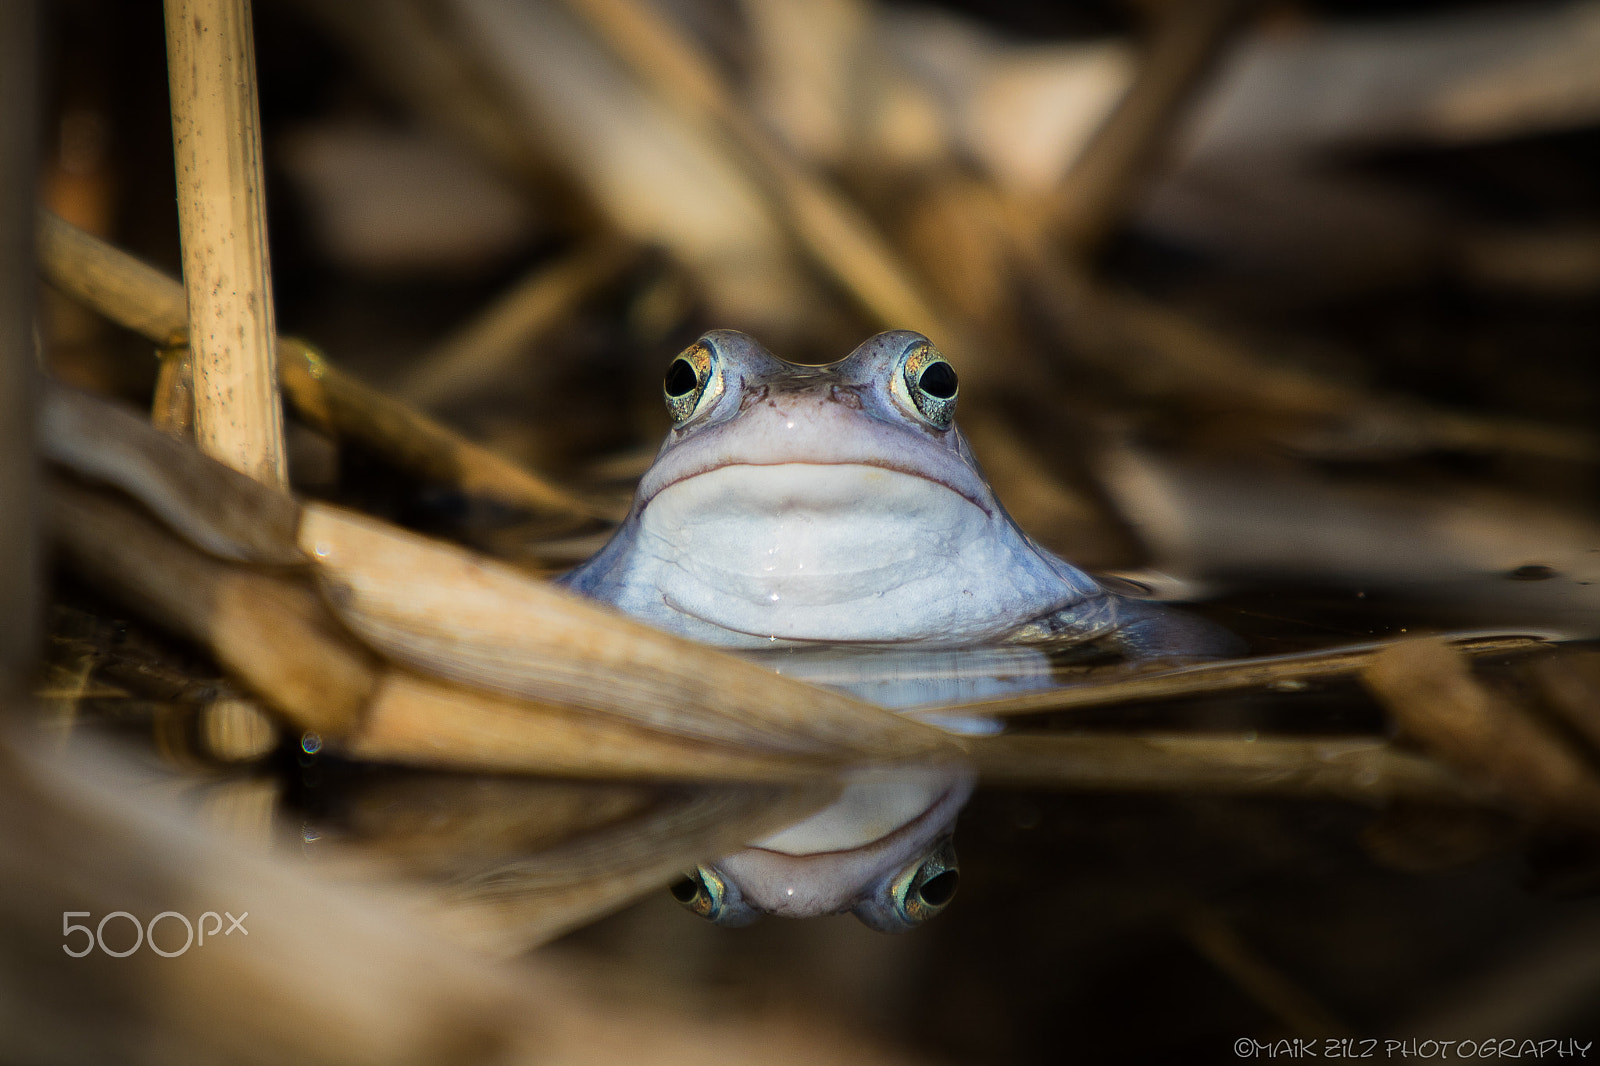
[(1290, 304)]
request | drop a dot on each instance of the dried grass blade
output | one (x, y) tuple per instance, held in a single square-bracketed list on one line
[(275, 633), (1233, 675), (482, 623), (272, 632), (1368, 771), (127, 290), (215, 507), (419, 721), (338, 404)]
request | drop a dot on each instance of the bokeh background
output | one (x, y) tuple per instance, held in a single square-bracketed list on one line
[(1289, 307)]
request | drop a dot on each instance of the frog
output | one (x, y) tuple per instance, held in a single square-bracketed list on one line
[(792, 506)]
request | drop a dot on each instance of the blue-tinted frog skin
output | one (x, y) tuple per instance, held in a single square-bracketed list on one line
[(799, 504), (792, 506)]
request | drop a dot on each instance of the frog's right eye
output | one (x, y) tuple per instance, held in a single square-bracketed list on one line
[(917, 893), (692, 382), (706, 893)]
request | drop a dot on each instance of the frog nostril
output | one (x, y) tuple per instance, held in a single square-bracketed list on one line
[(938, 380), (681, 378), (940, 889)]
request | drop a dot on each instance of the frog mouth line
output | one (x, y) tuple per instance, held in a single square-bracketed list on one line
[(987, 507)]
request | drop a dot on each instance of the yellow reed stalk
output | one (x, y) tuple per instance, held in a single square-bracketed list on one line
[(216, 135)]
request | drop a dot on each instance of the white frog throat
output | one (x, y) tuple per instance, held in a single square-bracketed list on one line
[(836, 552)]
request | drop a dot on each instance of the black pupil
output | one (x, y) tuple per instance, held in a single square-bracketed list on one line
[(938, 380), (939, 889), (681, 379), (685, 889)]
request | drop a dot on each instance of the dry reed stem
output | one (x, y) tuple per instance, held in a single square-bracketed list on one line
[(172, 406), (124, 288), (273, 633), (505, 331), (1430, 690), (233, 729), (1209, 678), (836, 234), (1105, 181), (339, 405), (1363, 771), (276, 635), (216, 134), (217, 508), (482, 623), (668, 706), (419, 721), (141, 298)]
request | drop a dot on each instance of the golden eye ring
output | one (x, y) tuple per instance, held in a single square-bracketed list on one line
[(932, 385), (927, 888), (701, 891), (691, 382)]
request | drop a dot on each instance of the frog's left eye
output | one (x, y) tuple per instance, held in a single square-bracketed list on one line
[(692, 381), (919, 892), (931, 384), (704, 891)]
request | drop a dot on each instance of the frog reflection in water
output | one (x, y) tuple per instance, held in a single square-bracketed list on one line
[(794, 506)]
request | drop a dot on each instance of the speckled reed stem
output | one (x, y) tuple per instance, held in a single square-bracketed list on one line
[(216, 138)]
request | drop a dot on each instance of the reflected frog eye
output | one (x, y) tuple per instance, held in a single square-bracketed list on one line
[(703, 891), (928, 888), (918, 893), (931, 383), (691, 382)]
